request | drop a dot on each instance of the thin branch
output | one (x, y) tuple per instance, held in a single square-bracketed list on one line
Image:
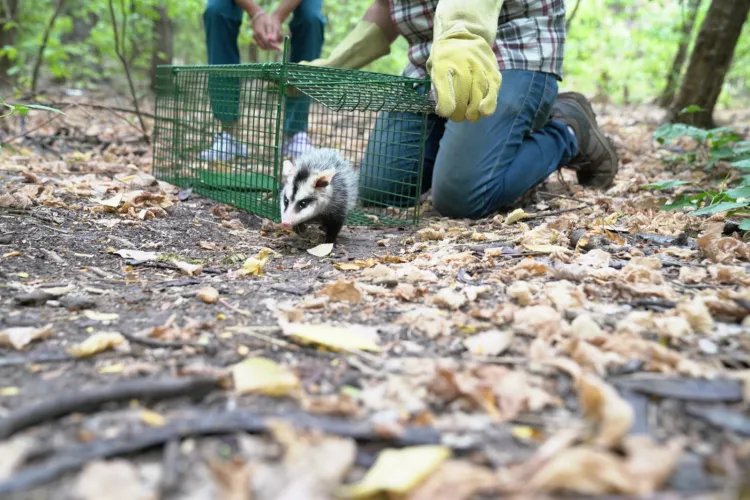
[(55, 406), (119, 49), (43, 46), (205, 424), (572, 15)]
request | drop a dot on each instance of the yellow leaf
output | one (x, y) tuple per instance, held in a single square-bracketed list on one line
[(14, 253), (333, 337), (602, 404), (264, 376), (100, 316), (321, 250), (99, 342), (22, 275), (113, 368), (515, 216), (208, 294), (254, 265), (188, 268), (398, 471), (347, 266), (9, 391), (152, 419)]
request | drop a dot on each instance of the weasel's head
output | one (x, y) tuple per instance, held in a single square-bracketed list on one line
[(304, 193)]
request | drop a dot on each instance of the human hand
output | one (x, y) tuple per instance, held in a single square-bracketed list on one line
[(465, 76), (267, 31)]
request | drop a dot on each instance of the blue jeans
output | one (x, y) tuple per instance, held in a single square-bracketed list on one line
[(477, 168), (222, 20)]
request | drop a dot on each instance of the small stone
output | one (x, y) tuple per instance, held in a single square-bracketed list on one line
[(708, 347), (72, 303), (35, 298)]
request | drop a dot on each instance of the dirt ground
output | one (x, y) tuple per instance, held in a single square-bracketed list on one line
[(157, 344)]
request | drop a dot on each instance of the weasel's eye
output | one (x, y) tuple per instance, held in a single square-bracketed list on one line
[(286, 202), (302, 204)]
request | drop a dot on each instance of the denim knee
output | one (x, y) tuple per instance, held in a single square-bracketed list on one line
[(457, 200), (307, 14), (222, 9)]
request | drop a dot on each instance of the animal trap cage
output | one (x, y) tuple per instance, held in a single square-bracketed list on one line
[(377, 122)]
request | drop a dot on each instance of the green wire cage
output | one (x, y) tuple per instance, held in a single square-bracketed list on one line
[(224, 130)]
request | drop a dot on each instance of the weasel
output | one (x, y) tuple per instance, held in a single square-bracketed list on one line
[(319, 186)]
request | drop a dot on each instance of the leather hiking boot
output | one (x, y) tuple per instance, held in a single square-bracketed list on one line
[(596, 162)]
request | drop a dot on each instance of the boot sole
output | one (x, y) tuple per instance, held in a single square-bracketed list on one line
[(579, 99)]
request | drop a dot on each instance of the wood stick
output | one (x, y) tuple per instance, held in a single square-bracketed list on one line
[(74, 458), (86, 401)]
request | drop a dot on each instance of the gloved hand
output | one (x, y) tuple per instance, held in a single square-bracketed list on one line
[(462, 66), (363, 45)]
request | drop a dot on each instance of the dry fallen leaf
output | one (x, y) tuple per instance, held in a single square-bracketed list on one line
[(137, 255), (352, 338), (602, 405), (208, 294), (264, 376), (14, 452), (152, 419), (515, 216), (116, 479), (343, 291), (448, 298), (520, 291), (100, 316), (398, 471), (253, 266), (19, 337), (490, 343), (98, 342), (583, 471), (455, 480), (188, 268), (321, 250)]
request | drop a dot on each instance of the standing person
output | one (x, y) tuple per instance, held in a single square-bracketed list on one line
[(222, 20), (500, 127)]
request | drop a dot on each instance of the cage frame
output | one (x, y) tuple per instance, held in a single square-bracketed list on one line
[(279, 73)]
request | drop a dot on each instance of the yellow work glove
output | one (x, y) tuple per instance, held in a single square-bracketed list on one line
[(363, 45), (462, 66)]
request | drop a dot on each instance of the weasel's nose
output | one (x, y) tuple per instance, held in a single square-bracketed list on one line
[(286, 224)]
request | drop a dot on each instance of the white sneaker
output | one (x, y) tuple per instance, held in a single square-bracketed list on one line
[(297, 145), (224, 148)]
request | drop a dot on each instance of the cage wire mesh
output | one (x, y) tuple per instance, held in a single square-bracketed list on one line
[(378, 122)]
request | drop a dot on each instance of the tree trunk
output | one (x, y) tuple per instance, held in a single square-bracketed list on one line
[(163, 43), (686, 34), (710, 62), (8, 13)]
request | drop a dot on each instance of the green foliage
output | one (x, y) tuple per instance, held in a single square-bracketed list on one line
[(720, 144), (612, 46), (23, 109)]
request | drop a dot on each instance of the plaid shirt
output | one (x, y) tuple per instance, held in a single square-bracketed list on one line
[(530, 34)]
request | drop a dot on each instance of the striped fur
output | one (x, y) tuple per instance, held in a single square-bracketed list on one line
[(320, 186)]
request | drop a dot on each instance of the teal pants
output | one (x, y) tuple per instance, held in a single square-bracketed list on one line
[(222, 20)]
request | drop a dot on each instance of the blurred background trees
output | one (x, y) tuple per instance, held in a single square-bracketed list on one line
[(675, 53)]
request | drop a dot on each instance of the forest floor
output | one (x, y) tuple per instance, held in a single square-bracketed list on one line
[(157, 344)]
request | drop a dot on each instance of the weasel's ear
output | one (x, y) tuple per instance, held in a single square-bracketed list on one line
[(286, 171), (323, 179)]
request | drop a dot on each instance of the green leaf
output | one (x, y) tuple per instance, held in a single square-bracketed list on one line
[(681, 202), (668, 184), (720, 207), (43, 108), (692, 109), (743, 164), (671, 131), (740, 192), (745, 225)]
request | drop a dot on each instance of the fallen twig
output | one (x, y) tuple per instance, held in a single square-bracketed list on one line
[(563, 197), (167, 344), (552, 213), (235, 308), (72, 459), (83, 401)]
